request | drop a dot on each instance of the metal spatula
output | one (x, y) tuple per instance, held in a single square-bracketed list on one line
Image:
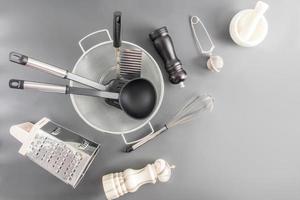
[(62, 89)]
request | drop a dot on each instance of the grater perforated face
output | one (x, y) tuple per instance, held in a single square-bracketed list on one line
[(61, 152)]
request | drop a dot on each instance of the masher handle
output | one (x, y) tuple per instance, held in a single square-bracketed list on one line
[(117, 29)]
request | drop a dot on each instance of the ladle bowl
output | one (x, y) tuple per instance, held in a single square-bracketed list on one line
[(137, 98)]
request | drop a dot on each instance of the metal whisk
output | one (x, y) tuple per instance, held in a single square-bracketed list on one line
[(185, 114)]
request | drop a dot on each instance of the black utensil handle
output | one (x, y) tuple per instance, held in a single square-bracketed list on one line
[(117, 29), (164, 45), (116, 86), (18, 58), (16, 84)]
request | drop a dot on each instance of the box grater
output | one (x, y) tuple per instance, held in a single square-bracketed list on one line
[(60, 151)]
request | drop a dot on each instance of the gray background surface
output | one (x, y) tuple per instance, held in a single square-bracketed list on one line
[(248, 148)]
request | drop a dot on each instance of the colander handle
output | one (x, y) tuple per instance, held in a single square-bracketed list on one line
[(80, 43), (135, 141)]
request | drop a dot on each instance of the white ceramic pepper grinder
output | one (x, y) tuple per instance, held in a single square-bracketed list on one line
[(249, 27), (118, 184)]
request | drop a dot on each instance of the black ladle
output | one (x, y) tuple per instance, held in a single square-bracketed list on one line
[(137, 97)]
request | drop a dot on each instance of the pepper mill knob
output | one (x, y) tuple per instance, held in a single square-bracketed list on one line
[(118, 184), (163, 170)]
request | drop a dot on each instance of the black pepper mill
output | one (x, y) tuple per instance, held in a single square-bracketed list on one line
[(164, 46)]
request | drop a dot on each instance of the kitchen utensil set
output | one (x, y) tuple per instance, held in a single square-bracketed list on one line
[(136, 98), (67, 155), (131, 81)]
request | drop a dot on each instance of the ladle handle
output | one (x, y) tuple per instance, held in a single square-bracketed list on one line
[(43, 87), (62, 89), (81, 42)]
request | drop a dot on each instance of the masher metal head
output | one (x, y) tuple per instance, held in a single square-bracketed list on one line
[(130, 63)]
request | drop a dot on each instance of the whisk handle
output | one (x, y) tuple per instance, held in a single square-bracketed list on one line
[(146, 139)]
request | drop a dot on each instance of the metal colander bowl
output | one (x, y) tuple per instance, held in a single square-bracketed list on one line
[(97, 63)]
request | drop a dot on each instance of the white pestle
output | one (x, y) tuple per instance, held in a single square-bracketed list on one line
[(252, 20)]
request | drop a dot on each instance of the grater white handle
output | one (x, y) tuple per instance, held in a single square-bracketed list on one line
[(22, 133)]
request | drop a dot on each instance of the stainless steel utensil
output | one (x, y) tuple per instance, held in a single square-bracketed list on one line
[(62, 89), (56, 71), (131, 63), (128, 61), (137, 97), (185, 114), (206, 46)]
